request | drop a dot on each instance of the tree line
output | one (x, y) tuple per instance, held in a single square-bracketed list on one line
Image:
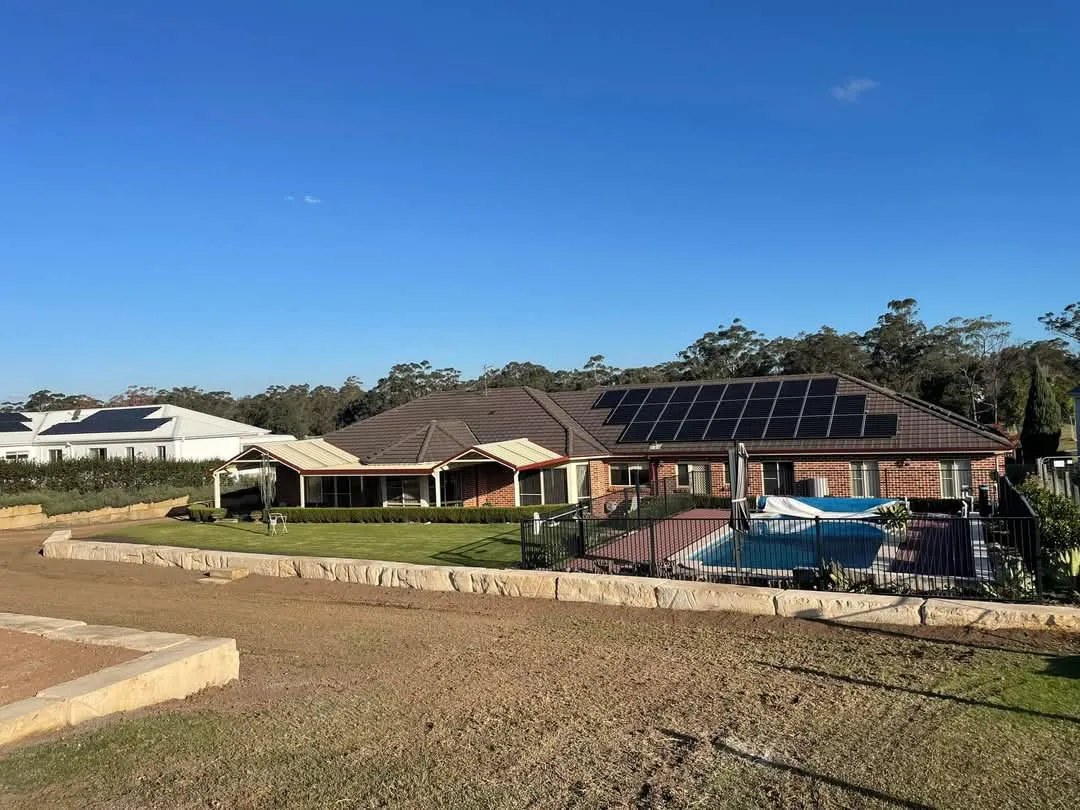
[(972, 366)]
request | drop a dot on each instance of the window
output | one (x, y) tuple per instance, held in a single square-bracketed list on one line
[(629, 475), (17, 457), (694, 477), (327, 490), (450, 488), (955, 478), (161, 451), (404, 491), (99, 452), (130, 453), (779, 477), (865, 482), (542, 486), (56, 455), (584, 483)]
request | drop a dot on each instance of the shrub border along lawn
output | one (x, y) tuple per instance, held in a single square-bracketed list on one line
[(378, 514)]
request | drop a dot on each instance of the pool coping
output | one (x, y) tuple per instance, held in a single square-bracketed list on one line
[(174, 666), (604, 589)]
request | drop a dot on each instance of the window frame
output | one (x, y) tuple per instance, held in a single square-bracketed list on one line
[(99, 452), (162, 452), (55, 454), (859, 469), (780, 479), (957, 472), (630, 467)]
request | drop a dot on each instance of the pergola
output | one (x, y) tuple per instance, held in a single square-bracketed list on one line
[(317, 457)]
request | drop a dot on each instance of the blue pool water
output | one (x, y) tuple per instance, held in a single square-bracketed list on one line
[(787, 544)]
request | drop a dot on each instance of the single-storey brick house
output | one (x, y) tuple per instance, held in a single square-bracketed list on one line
[(521, 446)]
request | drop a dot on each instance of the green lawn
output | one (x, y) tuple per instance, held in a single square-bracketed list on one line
[(484, 544)]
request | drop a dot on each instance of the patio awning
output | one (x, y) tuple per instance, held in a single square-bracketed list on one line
[(319, 457), (517, 454)]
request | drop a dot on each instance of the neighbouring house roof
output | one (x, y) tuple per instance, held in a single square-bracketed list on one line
[(570, 423), (141, 423), (518, 453)]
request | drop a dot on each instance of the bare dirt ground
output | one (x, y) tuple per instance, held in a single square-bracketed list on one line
[(30, 663), (363, 697)]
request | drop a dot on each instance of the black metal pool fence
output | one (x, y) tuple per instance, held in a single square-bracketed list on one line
[(997, 557)]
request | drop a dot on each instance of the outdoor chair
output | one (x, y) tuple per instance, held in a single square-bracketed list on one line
[(278, 519)]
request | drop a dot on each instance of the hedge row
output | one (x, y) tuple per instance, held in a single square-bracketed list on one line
[(97, 474), (205, 514), (63, 503), (442, 514)]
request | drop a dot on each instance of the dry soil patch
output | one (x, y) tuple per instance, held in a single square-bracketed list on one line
[(30, 663)]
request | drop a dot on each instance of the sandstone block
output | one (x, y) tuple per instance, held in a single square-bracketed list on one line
[(602, 589), (709, 596), (854, 608), (999, 615)]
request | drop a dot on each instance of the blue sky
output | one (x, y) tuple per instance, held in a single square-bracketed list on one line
[(495, 181)]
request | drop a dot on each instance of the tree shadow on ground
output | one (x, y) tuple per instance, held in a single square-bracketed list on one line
[(1063, 666), (479, 553), (724, 746), (963, 701)]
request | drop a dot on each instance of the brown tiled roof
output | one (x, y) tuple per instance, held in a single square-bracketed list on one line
[(437, 426)]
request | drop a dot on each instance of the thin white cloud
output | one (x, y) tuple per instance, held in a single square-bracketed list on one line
[(850, 92), (290, 197), (311, 199)]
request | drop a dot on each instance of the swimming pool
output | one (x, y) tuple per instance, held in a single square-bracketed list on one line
[(782, 543)]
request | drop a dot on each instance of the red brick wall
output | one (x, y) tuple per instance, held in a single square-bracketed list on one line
[(496, 485)]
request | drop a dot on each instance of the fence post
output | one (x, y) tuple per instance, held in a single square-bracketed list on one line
[(1038, 557), (652, 547), (581, 549), (817, 541), (521, 527)]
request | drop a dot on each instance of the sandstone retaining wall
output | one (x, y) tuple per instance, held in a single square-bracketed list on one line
[(642, 592)]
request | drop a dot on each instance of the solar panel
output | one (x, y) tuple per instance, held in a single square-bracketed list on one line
[(635, 396), (676, 411), (850, 404), (623, 415), (711, 393), (880, 425), (813, 427), (122, 420), (794, 388), (11, 426), (637, 432), (649, 412), (685, 393), (757, 408), (729, 409), (787, 407), (846, 426), (660, 395), (664, 432), (13, 416), (701, 410), (750, 428), (765, 390), (692, 430), (738, 390), (783, 428), (720, 430), (609, 399), (822, 387), (818, 406)]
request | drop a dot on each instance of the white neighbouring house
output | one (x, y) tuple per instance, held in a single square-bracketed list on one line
[(149, 431)]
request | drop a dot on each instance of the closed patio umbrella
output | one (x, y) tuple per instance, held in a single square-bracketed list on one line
[(737, 472)]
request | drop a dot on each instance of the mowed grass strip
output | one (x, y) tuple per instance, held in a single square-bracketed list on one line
[(481, 544)]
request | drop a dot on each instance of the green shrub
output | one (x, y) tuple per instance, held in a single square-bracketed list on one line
[(1059, 530), (63, 503), (205, 514), (99, 475), (431, 514)]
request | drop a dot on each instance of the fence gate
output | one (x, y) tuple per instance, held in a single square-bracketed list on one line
[(1061, 474)]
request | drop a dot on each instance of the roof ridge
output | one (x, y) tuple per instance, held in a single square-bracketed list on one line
[(930, 408), (559, 414), (427, 439)]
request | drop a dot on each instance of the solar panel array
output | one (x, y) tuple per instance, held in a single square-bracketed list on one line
[(117, 420), (769, 409), (13, 422)]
